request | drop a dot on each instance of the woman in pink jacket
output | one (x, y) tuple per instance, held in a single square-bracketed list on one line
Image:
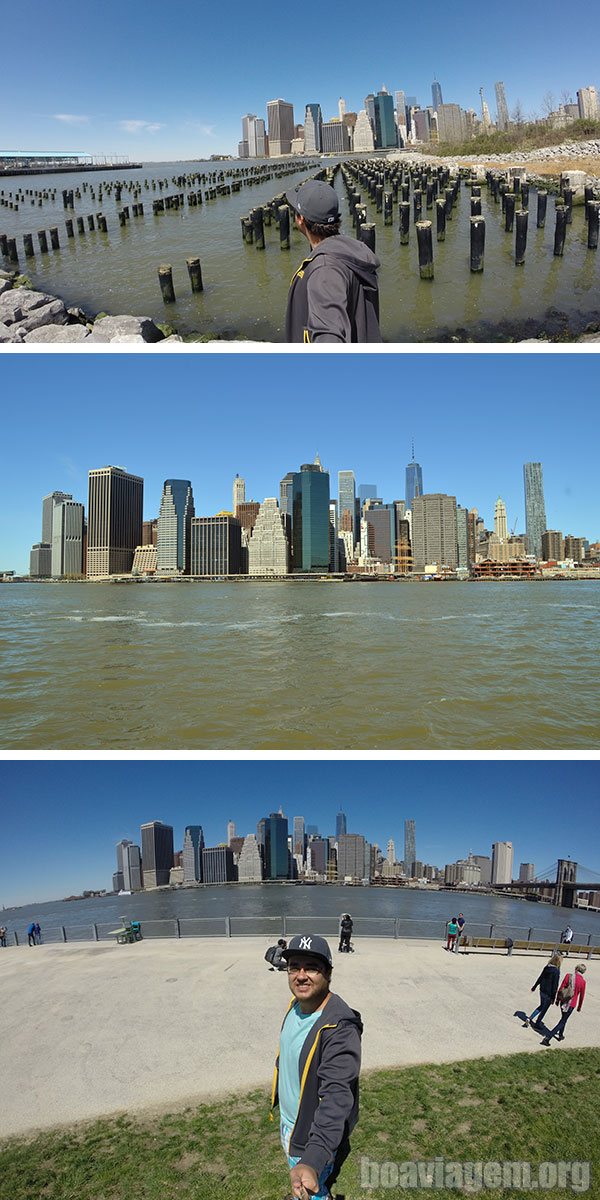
[(570, 997)]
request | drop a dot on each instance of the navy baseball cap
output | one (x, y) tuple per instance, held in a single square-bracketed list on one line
[(316, 201), (309, 944)]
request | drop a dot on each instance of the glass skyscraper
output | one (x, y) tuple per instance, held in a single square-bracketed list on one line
[(414, 481), (272, 836), (193, 845), (436, 94), (385, 121), (535, 509), (310, 518), (175, 527), (340, 824), (313, 124)]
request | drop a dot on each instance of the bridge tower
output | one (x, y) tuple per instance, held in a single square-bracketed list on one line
[(566, 883)]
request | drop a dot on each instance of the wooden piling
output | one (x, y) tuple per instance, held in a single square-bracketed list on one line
[(425, 244), (80, 226), (91, 225), (257, 219), (417, 205), (440, 216), (404, 211), (477, 242), (475, 206), (195, 274), (568, 199), (43, 240), (542, 205), (560, 230), (510, 201), (388, 208), (524, 195), (28, 245), (522, 219), (69, 228), (54, 242), (165, 278), (284, 227), (593, 223), (102, 225), (449, 197), (366, 234), (11, 250)]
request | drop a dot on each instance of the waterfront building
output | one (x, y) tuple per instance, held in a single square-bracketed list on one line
[(410, 849), (132, 868), (48, 505), (335, 137), (436, 94), (363, 133), (553, 545), (230, 832), (422, 124), (145, 560), (484, 862), (175, 527), (244, 144), (280, 119), (535, 509), (313, 123), (247, 513), (40, 561), (272, 837), (157, 853), (588, 103), (193, 845), (351, 856), (216, 545), (150, 532), (526, 872), (268, 550), (340, 825), (117, 881), (310, 518), (380, 520), (413, 480), (502, 862), (391, 851), (385, 122), (346, 500), (317, 854), (218, 865), (239, 493), (451, 123), (434, 532), (249, 866), (257, 139), (334, 547), (403, 555), (299, 837), (115, 502), (119, 875), (502, 119), (286, 494), (574, 548), (500, 521), (462, 537), (462, 873)]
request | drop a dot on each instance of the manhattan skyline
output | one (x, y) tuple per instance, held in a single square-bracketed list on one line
[(100, 803), (423, 397), (111, 102)]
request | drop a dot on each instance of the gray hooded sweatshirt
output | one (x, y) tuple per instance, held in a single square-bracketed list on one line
[(334, 295), (329, 1067)]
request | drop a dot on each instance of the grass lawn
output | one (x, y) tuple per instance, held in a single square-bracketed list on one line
[(535, 1107)]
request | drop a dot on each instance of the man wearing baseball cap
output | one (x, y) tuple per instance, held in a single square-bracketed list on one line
[(315, 1083), (334, 294)]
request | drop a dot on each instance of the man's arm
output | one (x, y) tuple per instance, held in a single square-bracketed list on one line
[(328, 291), (338, 1074)]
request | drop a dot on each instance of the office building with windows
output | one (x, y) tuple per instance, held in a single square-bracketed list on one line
[(174, 529), (502, 118), (216, 545), (347, 501), (115, 503), (272, 837), (313, 123), (414, 481), (157, 853), (280, 119), (434, 532), (502, 862), (218, 865), (193, 845), (436, 94), (268, 550), (535, 508), (249, 866), (67, 538), (410, 848), (310, 518)]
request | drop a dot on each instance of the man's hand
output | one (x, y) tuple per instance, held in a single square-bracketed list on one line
[(304, 1181)]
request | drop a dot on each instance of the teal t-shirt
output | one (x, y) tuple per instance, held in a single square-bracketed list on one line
[(293, 1036)]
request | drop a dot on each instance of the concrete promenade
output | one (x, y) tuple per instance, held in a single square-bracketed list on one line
[(90, 1030)]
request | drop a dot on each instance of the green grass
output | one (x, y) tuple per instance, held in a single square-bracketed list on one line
[(521, 138), (535, 1107)]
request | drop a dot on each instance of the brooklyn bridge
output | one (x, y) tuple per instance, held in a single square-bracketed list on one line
[(559, 883)]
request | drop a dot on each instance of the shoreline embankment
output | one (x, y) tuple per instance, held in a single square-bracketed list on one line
[(96, 1030)]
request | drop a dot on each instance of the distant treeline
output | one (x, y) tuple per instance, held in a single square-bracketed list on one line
[(525, 136)]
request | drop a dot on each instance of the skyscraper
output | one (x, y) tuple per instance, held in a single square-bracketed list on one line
[(451, 123), (462, 536), (385, 122), (48, 504), (249, 862), (280, 117), (410, 849), (313, 122), (239, 492), (40, 561), (193, 845), (286, 494), (502, 862), (256, 138), (268, 552), (351, 856), (346, 501), (310, 518), (500, 522), (174, 530), (535, 509), (436, 94), (364, 139), (132, 869), (588, 103), (340, 824), (434, 532), (299, 835), (67, 538), (216, 545), (414, 480), (218, 865), (272, 835), (115, 503), (502, 118), (157, 853)]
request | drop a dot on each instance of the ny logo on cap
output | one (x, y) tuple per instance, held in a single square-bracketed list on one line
[(305, 943)]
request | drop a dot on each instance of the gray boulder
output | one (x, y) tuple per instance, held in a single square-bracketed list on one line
[(120, 329), (5, 286), (58, 333), (28, 309)]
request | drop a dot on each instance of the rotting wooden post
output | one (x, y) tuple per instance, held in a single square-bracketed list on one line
[(284, 227), (475, 206), (449, 196), (440, 215), (542, 205), (524, 195), (257, 219), (366, 234), (593, 223), (80, 225), (560, 230), (54, 242), (404, 210), (102, 225), (28, 245), (11, 250), (43, 240), (388, 208), (69, 228), (425, 244), (522, 219), (165, 278), (568, 198), (477, 242), (91, 225), (195, 274), (417, 205), (510, 201)]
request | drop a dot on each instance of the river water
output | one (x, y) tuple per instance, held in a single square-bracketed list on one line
[(300, 666), (245, 289), (257, 909)]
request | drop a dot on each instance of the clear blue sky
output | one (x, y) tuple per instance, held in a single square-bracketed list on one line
[(475, 421), (62, 820), (159, 82)]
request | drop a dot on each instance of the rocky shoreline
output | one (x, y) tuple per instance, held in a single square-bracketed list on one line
[(544, 154)]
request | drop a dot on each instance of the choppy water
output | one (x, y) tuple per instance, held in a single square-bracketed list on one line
[(300, 666), (253, 909), (245, 289)]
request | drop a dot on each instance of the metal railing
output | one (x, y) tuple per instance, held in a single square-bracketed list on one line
[(395, 928)]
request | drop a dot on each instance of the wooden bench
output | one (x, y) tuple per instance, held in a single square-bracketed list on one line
[(572, 948)]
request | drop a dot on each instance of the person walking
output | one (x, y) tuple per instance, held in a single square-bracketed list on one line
[(315, 1081), (346, 927), (2, 935), (31, 934), (38, 934), (452, 934), (548, 985), (570, 996), (460, 923), (334, 294)]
